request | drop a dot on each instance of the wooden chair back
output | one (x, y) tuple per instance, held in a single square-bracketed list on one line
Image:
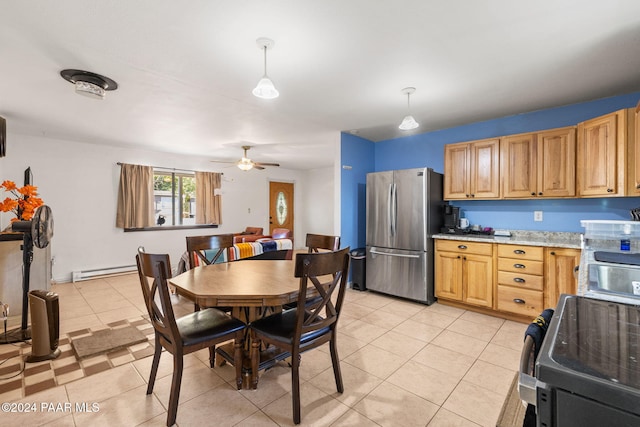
[(197, 245), (326, 274), (154, 271), (315, 242)]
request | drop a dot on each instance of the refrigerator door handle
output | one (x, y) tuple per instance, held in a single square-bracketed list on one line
[(394, 207), (373, 251), (390, 209)]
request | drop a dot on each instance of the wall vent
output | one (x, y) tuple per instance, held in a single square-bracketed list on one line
[(78, 276)]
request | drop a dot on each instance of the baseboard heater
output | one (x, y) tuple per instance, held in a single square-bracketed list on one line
[(78, 276)]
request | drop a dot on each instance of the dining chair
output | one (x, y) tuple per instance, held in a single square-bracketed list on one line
[(303, 328), (209, 250), (315, 242), (186, 334)]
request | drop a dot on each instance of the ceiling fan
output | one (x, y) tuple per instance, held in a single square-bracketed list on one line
[(246, 163)]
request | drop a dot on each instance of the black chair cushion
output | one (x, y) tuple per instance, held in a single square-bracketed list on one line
[(206, 324), (280, 327)]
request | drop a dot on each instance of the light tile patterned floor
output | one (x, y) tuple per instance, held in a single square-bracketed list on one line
[(403, 364)]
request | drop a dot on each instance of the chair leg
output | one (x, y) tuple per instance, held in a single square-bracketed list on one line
[(255, 360), (335, 361), (238, 345), (212, 356), (154, 365), (175, 388), (295, 387)]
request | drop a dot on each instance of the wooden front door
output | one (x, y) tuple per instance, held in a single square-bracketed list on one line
[(280, 206)]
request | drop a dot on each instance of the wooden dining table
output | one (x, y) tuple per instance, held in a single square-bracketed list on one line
[(251, 288)]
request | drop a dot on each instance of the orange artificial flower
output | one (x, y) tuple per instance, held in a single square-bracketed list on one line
[(24, 203)]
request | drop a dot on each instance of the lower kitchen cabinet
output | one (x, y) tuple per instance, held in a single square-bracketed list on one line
[(508, 280), (560, 273), (464, 272), (520, 279)]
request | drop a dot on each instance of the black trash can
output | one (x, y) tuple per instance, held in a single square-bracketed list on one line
[(358, 270)]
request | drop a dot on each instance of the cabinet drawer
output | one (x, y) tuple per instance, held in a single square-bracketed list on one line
[(465, 247), (521, 266), (520, 301), (521, 281), (535, 253)]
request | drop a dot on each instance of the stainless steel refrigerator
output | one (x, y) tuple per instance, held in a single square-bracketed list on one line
[(404, 209)]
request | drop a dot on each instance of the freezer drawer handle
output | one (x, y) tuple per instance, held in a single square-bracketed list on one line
[(519, 266), (462, 247), (373, 251)]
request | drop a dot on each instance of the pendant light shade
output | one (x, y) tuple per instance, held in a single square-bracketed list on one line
[(408, 123), (265, 88)]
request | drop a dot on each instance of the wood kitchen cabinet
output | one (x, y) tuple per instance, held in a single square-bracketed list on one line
[(472, 170), (633, 168), (464, 272), (541, 164), (601, 154), (560, 274), (520, 287)]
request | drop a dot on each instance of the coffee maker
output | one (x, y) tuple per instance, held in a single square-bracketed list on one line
[(451, 219)]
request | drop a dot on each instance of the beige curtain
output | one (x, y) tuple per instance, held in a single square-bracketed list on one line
[(135, 197), (208, 200)]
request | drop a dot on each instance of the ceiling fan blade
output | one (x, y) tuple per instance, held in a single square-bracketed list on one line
[(223, 161), (256, 166), (266, 164)]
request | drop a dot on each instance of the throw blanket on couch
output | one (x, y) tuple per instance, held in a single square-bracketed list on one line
[(249, 249), (240, 251)]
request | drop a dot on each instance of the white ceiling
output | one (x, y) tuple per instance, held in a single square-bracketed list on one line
[(186, 69)]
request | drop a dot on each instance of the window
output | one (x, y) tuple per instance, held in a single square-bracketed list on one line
[(174, 198)]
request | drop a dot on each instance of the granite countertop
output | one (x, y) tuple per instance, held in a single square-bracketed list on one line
[(553, 239)]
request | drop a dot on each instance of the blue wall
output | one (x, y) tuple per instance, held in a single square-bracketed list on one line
[(357, 153), (427, 149)]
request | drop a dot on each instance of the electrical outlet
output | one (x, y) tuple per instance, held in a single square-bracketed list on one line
[(537, 215)]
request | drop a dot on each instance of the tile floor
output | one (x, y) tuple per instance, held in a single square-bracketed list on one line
[(403, 364)]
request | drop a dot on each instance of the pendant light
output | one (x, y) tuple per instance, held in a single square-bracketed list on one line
[(265, 88), (408, 123)]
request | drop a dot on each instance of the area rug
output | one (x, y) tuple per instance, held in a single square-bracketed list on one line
[(18, 380), (107, 340), (513, 411)]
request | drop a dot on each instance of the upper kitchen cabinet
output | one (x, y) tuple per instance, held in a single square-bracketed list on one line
[(633, 171), (472, 170), (539, 164), (601, 154)]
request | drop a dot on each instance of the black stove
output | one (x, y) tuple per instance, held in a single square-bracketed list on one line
[(588, 369)]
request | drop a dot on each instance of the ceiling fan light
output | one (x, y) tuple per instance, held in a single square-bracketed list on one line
[(408, 123), (245, 164), (265, 89), (89, 89)]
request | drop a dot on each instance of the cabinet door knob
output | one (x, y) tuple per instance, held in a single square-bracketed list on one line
[(519, 252), (533, 193), (552, 252), (519, 266), (458, 257), (473, 195), (638, 187), (466, 195), (609, 190), (462, 247), (518, 301), (519, 280), (540, 193)]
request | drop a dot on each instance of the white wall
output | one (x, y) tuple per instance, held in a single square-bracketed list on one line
[(318, 201), (79, 182)]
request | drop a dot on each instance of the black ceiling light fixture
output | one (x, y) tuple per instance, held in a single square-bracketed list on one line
[(89, 84)]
